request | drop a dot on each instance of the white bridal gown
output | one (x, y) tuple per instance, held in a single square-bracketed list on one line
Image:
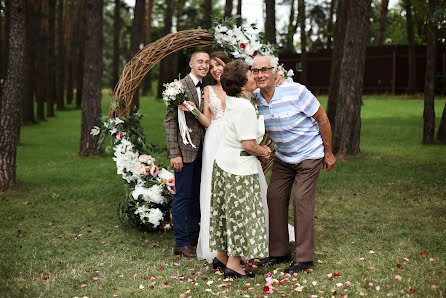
[(212, 139)]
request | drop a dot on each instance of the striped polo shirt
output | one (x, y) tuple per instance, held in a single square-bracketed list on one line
[(289, 123)]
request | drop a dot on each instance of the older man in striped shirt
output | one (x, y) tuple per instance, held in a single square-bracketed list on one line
[(299, 127)]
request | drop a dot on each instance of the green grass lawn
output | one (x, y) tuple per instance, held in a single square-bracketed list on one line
[(376, 214)]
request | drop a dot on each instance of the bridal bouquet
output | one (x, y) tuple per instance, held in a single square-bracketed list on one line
[(174, 94), (245, 43), (150, 187)]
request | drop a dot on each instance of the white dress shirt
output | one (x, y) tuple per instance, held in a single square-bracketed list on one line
[(198, 88)]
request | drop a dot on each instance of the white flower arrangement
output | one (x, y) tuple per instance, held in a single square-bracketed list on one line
[(244, 43), (174, 93), (150, 187)]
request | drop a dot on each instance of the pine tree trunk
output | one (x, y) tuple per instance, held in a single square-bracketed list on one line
[(137, 38), (116, 49), (52, 90), (60, 57), (80, 46), (69, 26), (42, 83), (166, 64), (303, 42), (441, 134), (228, 8), (91, 92), (2, 43), (270, 21), (382, 22), (336, 59), (12, 94), (330, 24), (411, 83), (147, 82), (239, 19), (207, 17), (429, 83), (291, 31), (31, 73), (347, 128)]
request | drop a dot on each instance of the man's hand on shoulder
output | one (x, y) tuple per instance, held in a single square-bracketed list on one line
[(329, 161), (177, 163)]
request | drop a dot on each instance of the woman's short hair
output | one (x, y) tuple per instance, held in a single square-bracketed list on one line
[(234, 77)]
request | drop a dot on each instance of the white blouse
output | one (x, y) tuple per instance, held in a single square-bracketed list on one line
[(241, 123)]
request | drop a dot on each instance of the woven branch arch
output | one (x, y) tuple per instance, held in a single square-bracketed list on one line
[(135, 70)]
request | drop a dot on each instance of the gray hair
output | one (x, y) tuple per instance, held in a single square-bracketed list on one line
[(274, 62)]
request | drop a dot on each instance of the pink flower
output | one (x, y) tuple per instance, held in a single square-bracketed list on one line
[(141, 169), (370, 284), (154, 171), (146, 171), (255, 53), (243, 46), (171, 189), (171, 182), (347, 283), (398, 277), (143, 158)]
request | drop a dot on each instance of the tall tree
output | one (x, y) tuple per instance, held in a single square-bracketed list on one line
[(165, 74), (347, 128), (291, 28), (52, 91), (116, 35), (91, 91), (382, 22), (2, 41), (412, 83), (228, 8), (207, 17), (31, 59), (12, 94), (336, 58), (303, 41), (42, 85), (147, 83), (239, 13), (60, 99), (79, 45), (330, 24), (270, 21), (137, 39), (69, 18), (441, 133), (429, 81)]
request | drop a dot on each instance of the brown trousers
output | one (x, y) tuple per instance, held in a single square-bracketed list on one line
[(304, 176)]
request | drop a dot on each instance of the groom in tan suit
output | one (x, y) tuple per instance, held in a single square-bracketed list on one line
[(186, 160)]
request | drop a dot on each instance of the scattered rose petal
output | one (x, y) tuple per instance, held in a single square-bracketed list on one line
[(406, 259), (371, 252), (412, 291), (433, 286), (206, 268), (347, 283), (378, 288), (339, 284), (361, 259), (83, 285), (330, 279), (210, 282), (398, 265), (314, 283), (362, 294), (431, 260), (371, 268), (160, 268), (299, 289), (121, 275), (336, 274), (370, 284), (116, 295), (46, 277), (95, 278), (176, 264), (424, 253), (173, 276), (136, 274), (166, 283), (398, 276), (329, 275), (141, 287)]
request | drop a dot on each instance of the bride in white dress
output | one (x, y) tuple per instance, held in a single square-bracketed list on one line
[(214, 104)]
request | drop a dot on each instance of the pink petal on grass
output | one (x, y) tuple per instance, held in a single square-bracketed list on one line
[(95, 278), (347, 283), (176, 264), (116, 295), (121, 275), (431, 260), (370, 284), (136, 274), (371, 268), (406, 259), (398, 276), (433, 286), (83, 285)]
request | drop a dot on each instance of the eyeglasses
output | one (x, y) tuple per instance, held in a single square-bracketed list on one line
[(263, 70)]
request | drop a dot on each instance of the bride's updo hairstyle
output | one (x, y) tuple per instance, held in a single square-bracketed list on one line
[(234, 77)]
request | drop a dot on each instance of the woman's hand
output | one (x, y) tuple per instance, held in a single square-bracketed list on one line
[(183, 106)]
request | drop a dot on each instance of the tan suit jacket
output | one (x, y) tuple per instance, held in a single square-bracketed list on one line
[(175, 145)]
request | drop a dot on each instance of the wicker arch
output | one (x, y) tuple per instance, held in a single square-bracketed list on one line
[(135, 70)]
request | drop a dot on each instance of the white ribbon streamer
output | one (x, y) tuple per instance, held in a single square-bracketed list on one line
[(184, 130)]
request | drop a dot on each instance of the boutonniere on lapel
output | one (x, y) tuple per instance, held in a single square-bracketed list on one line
[(174, 95)]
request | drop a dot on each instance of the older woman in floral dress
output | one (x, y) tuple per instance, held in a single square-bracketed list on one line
[(237, 222)]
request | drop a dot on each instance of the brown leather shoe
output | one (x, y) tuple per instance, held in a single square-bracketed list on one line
[(187, 251)]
